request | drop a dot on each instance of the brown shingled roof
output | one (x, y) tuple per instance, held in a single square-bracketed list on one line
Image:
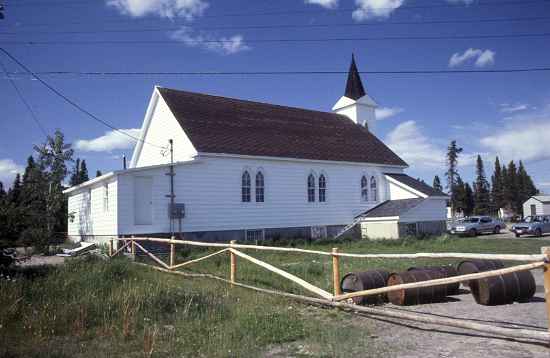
[(225, 125)]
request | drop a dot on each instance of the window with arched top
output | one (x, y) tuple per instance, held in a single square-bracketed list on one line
[(373, 189), (259, 187), (245, 187), (311, 188), (322, 188), (364, 188)]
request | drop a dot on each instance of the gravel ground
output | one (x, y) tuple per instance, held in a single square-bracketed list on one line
[(411, 339)]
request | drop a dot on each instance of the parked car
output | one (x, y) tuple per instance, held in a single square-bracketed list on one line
[(474, 225), (532, 225)]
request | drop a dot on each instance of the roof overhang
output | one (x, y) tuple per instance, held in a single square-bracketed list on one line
[(123, 172), (381, 218), (298, 160)]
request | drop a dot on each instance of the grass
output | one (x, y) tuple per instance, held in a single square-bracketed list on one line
[(95, 308)]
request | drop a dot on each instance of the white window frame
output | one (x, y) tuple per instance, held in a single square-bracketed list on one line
[(311, 196), (324, 189), (257, 194), (248, 193), (373, 189), (106, 198), (364, 188)]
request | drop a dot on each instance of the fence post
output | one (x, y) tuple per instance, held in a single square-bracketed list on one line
[(233, 258), (110, 247), (133, 247), (336, 272), (546, 269), (172, 252)]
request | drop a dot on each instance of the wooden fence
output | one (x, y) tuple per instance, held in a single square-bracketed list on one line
[(337, 299)]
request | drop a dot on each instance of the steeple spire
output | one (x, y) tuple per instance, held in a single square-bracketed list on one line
[(354, 87)]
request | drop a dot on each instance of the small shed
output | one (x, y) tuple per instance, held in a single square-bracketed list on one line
[(537, 205), (417, 209)]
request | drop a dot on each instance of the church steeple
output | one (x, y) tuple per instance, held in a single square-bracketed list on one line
[(356, 103), (354, 86)]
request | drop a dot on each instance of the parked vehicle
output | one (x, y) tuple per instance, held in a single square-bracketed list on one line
[(474, 225), (532, 225)]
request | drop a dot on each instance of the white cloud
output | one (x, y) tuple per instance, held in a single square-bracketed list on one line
[(367, 9), (329, 4), (223, 45), (187, 9), (521, 141), (112, 140), (387, 112), (414, 147), (482, 57), (511, 108), (8, 170)]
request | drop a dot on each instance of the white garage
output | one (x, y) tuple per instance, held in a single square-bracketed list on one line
[(537, 205)]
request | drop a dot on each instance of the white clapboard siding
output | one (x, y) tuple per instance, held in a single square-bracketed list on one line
[(159, 126), (211, 191), (91, 219), (399, 191), (431, 209)]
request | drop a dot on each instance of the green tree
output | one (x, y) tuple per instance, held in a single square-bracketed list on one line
[(482, 197), (437, 183), (53, 157), (497, 186), (511, 188), (75, 176), (526, 187), (469, 202), (2, 193), (460, 196), (14, 194), (98, 173), (83, 176), (452, 175)]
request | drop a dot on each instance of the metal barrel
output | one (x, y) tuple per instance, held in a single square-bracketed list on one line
[(415, 296), (359, 281), (475, 266), (447, 271), (504, 289)]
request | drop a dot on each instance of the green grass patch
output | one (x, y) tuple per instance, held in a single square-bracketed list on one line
[(94, 308)]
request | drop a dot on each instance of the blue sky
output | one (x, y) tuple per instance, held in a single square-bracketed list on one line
[(505, 114)]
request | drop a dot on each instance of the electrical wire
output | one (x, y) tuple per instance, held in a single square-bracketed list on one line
[(22, 98), (71, 102)]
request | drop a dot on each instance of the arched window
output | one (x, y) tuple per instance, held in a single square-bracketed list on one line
[(322, 188), (311, 188), (259, 187), (245, 187), (364, 188), (373, 189)]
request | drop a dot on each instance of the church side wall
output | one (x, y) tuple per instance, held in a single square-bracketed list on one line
[(211, 192)]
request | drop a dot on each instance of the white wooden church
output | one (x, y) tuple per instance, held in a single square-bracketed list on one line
[(247, 171)]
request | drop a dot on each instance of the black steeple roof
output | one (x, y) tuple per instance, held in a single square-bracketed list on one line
[(354, 87)]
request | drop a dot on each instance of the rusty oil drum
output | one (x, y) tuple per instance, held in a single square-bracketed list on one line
[(447, 271), (359, 281), (475, 266), (504, 289), (415, 296)]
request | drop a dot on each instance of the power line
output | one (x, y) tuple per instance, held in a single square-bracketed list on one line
[(71, 102), (310, 11), (292, 26), (303, 40), (22, 98), (277, 73)]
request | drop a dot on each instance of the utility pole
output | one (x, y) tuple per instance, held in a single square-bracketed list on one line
[(172, 196)]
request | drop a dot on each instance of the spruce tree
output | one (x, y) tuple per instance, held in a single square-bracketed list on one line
[(460, 196), (497, 194), (14, 194), (453, 152), (511, 188), (526, 187), (83, 176), (2, 193), (469, 202), (437, 184), (75, 176), (481, 190)]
